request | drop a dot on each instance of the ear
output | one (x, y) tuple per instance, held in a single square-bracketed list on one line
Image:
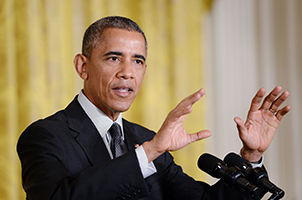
[(80, 64)]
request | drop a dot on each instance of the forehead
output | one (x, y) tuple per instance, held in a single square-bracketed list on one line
[(124, 41)]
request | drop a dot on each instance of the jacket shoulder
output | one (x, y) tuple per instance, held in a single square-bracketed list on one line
[(53, 121), (144, 132)]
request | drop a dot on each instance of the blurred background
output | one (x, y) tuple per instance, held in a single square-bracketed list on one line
[(229, 47)]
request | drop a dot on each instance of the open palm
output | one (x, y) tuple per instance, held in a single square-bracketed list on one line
[(172, 134), (262, 122)]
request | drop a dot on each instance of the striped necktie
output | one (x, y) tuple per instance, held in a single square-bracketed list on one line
[(117, 144)]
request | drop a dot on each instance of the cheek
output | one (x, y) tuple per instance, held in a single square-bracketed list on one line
[(104, 85), (96, 82), (140, 77), (104, 82)]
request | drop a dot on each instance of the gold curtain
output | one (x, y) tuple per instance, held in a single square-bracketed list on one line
[(38, 39)]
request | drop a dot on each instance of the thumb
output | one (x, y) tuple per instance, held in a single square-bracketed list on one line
[(240, 124)]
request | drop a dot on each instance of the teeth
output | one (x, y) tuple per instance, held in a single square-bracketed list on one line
[(123, 90)]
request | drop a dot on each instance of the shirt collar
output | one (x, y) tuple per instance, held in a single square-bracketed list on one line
[(100, 120)]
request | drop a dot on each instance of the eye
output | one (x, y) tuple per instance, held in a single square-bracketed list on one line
[(140, 62), (113, 58)]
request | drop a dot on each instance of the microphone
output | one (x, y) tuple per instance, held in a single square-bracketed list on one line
[(232, 175), (256, 175)]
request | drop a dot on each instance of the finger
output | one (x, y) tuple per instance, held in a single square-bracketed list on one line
[(136, 146), (240, 125), (255, 105), (185, 106), (280, 114), (274, 107), (200, 135), (190, 100), (270, 98)]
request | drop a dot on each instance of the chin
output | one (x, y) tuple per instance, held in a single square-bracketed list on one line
[(120, 107)]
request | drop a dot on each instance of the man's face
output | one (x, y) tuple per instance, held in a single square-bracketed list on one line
[(115, 71)]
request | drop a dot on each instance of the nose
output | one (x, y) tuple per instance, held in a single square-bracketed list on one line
[(126, 71)]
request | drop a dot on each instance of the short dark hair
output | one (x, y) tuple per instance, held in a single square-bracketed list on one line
[(94, 32)]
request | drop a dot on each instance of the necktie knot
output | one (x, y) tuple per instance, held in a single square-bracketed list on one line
[(115, 130)]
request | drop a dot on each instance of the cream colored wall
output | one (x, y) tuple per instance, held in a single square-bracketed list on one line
[(252, 44)]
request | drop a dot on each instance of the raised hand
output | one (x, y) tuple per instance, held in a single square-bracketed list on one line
[(262, 122), (172, 135)]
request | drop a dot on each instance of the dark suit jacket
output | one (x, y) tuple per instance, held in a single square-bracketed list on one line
[(64, 157)]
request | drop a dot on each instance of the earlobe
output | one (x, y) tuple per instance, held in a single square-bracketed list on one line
[(80, 66)]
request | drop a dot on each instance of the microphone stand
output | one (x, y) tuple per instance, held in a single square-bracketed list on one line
[(256, 175), (278, 194), (235, 177)]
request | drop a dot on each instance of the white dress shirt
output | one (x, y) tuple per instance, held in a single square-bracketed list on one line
[(103, 123)]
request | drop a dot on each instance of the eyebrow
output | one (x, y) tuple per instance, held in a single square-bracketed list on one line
[(113, 53), (118, 53), (140, 56)]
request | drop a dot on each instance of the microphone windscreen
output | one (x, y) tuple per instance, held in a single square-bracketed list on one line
[(209, 163), (233, 159)]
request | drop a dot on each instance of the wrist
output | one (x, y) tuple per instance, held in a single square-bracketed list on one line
[(257, 164), (151, 151), (253, 156)]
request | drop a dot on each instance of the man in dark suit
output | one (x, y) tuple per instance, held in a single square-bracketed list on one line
[(87, 151)]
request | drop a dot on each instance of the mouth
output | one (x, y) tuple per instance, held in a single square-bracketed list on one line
[(123, 91)]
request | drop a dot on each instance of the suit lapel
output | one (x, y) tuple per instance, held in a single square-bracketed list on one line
[(133, 135), (130, 138), (88, 138), (86, 134)]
